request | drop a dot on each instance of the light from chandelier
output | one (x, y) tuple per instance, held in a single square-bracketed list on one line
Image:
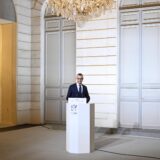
[(79, 10)]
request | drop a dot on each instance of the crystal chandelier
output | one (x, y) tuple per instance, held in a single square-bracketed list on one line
[(79, 10)]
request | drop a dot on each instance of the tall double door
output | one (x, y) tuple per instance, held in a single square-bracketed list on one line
[(8, 116), (60, 65), (140, 68)]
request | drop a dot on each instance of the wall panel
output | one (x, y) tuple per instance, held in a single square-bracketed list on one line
[(97, 60)]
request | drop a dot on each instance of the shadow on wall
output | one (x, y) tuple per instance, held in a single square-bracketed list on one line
[(7, 10)]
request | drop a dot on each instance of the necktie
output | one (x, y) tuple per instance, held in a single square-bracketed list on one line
[(80, 90)]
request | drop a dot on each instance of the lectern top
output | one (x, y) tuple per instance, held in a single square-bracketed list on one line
[(77, 100)]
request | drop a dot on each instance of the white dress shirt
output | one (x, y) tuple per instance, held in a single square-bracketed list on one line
[(78, 85)]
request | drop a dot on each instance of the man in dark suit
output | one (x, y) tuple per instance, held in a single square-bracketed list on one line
[(78, 90)]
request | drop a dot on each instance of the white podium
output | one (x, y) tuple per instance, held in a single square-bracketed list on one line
[(79, 127)]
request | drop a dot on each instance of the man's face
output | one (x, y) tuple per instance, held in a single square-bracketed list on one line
[(79, 79)]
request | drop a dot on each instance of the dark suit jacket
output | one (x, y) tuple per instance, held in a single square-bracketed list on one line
[(73, 92)]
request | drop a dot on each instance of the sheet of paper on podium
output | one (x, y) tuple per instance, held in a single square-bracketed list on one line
[(77, 100)]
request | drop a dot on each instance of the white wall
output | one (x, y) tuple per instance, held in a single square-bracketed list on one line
[(28, 62), (23, 11), (35, 63), (96, 57)]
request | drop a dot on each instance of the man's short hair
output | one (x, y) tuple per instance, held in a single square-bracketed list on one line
[(80, 74)]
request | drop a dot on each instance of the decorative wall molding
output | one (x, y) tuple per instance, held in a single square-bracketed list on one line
[(128, 4)]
